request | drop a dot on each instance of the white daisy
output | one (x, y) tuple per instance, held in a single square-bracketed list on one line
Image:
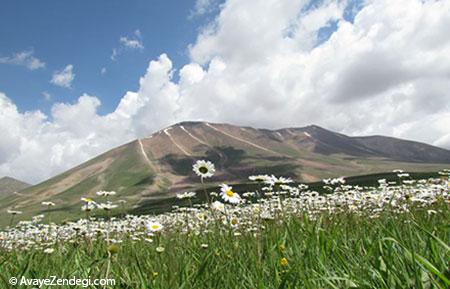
[(218, 206), (154, 226), (234, 222), (259, 178), (273, 181), (49, 251), (48, 204), (248, 194), (186, 195), (87, 200), (106, 206), (227, 194), (204, 169), (105, 193), (403, 175), (14, 212), (89, 206)]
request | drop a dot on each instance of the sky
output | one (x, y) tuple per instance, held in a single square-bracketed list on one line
[(78, 78)]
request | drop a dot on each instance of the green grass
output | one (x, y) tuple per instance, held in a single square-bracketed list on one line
[(408, 250)]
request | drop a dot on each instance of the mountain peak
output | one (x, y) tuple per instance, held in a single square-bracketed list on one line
[(10, 179), (10, 185), (189, 123)]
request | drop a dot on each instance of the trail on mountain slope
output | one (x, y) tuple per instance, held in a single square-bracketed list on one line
[(290, 132), (175, 143), (242, 140), (221, 155), (146, 158), (193, 136), (158, 175)]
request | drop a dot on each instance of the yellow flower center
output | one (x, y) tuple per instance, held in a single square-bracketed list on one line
[(284, 262), (234, 221), (203, 170), (113, 249), (230, 193), (155, 227)]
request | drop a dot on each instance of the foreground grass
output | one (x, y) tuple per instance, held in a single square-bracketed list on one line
[(407, 250)]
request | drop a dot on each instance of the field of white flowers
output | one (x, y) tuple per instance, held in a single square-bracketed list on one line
[(282, 235)]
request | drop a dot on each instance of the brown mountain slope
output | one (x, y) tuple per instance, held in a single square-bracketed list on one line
[(160, 165), (10, 185)]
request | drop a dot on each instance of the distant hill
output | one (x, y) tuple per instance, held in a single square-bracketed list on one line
[(9, 185), (158, 166)]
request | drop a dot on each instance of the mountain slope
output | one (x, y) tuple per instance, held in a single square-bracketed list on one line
[(9, 185), (160, 165), (404, 150)]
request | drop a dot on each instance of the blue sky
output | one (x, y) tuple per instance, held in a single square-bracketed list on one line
[(84, 33)]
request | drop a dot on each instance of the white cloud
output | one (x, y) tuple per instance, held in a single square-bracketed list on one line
[(204, 7), (24, 58), (389, 68), (131, 42), (259, 64), (63, 78), (33, 148), (103, 71), (115, 53), (47, 96)]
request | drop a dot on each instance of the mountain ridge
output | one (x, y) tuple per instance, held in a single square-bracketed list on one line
[(160, 164), (9, 185)]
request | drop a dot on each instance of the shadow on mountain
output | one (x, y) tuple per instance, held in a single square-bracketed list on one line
[(179, 164), (146, 181), (222, 157), (58, 209), (225, 157)]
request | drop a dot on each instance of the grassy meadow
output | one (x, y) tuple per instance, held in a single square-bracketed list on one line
[(281, 235), (333, 251)]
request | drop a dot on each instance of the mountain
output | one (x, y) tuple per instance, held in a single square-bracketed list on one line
[(158, 166), (10, 185)]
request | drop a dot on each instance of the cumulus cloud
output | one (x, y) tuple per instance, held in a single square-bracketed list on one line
[(388, 68), (203, 7), (261, 63), (32, 147), (131, 42), (63, 78), (24, 58)]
